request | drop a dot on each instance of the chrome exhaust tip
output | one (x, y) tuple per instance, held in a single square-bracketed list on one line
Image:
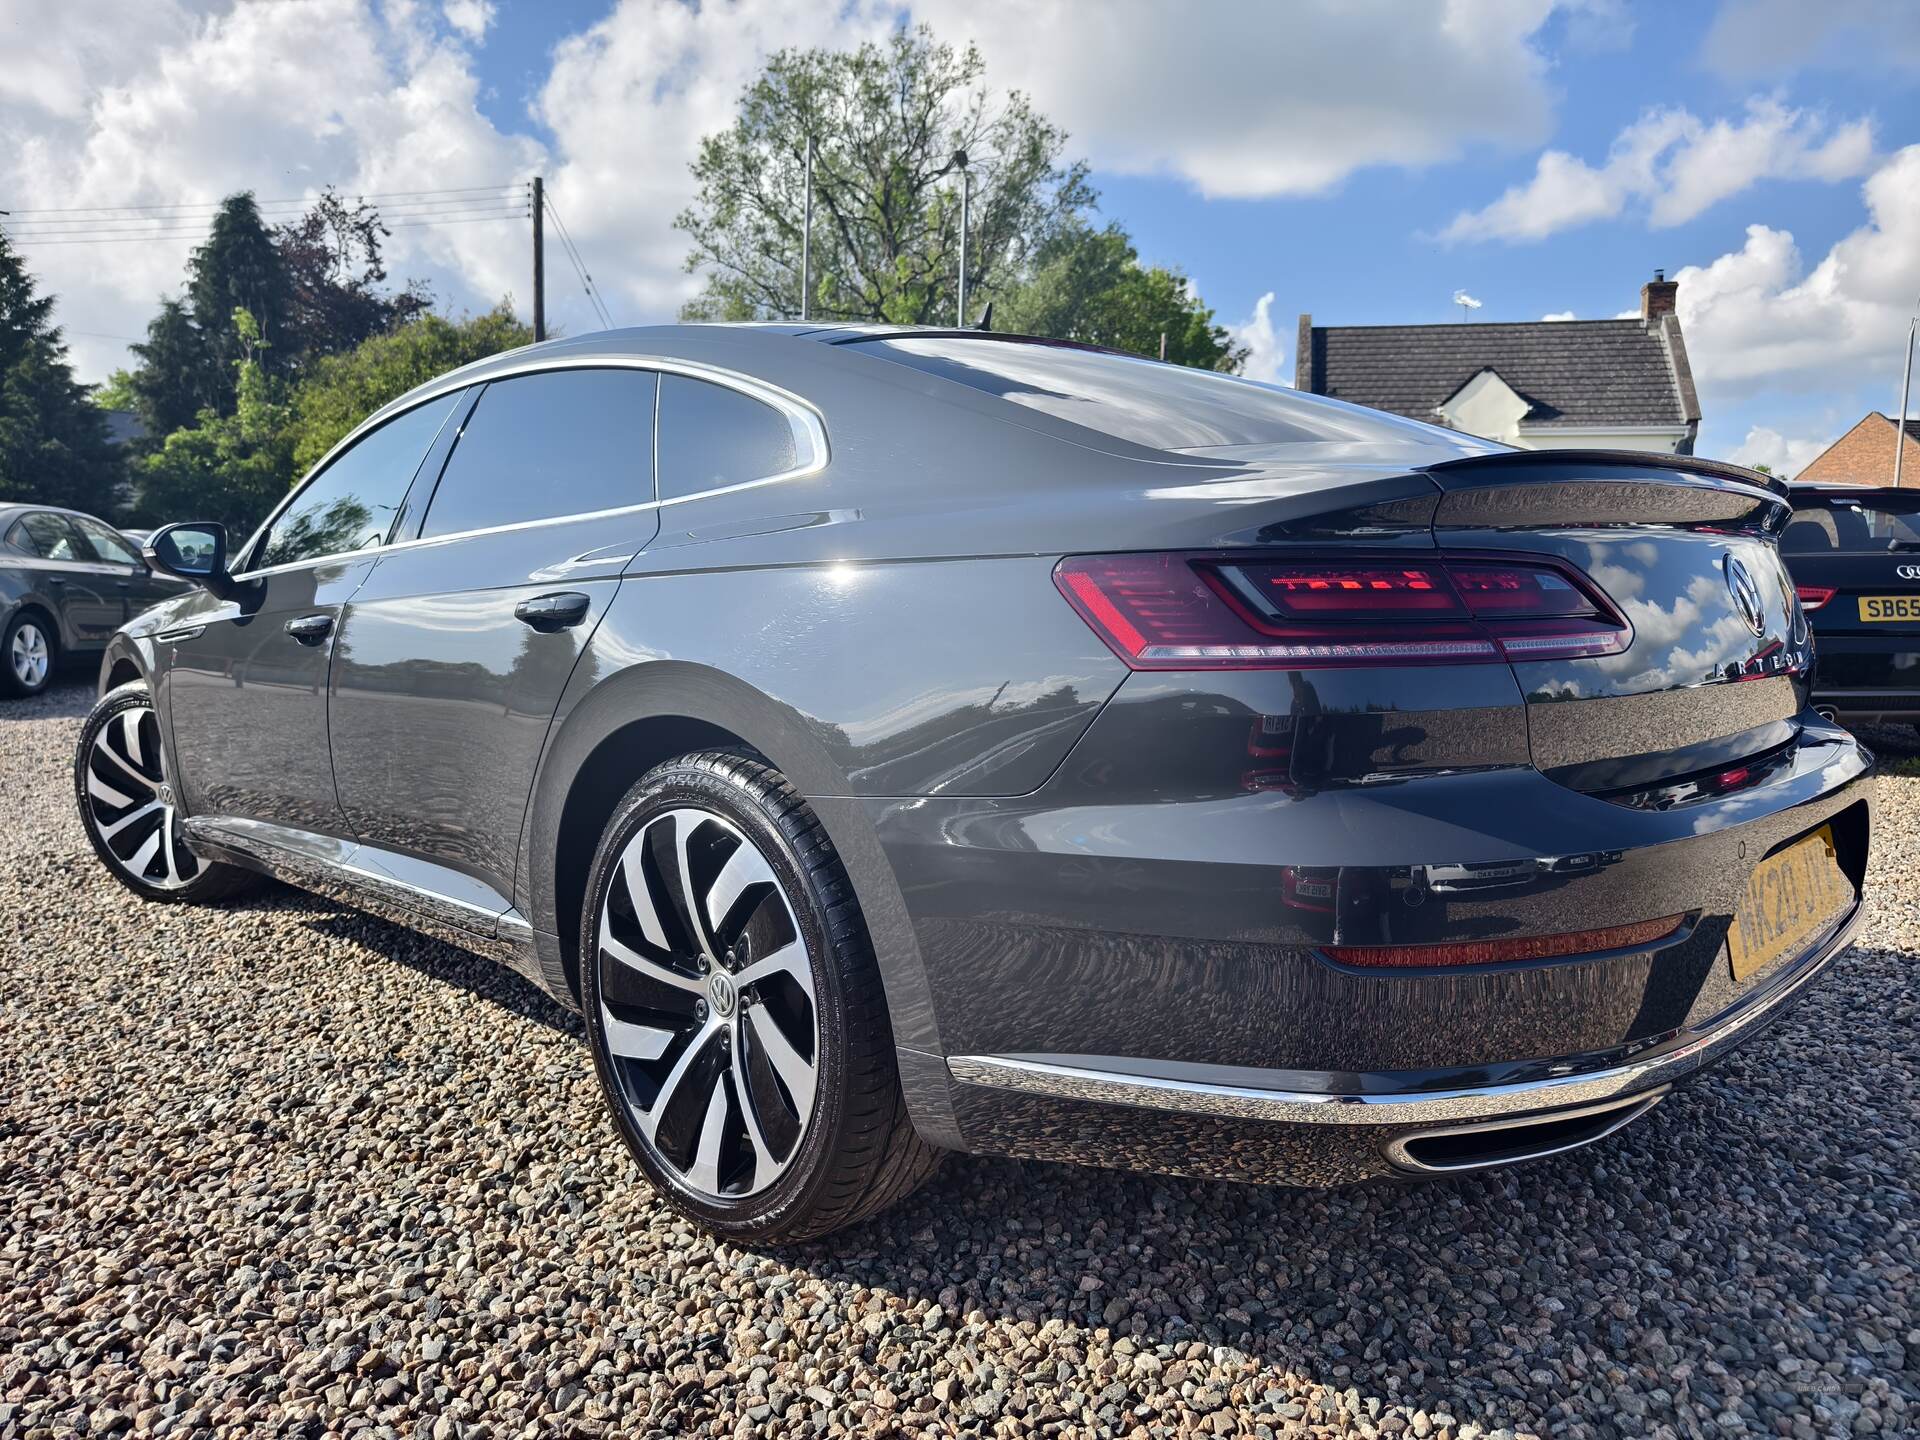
[(1452, 1149), (1827, 713)]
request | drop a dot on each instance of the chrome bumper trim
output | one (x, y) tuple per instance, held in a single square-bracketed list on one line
[(1197, 1096)]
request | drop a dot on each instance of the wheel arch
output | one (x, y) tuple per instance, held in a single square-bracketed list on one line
[(646, 714)]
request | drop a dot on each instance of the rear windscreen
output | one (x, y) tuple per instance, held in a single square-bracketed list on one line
[(1869, 524), (1147, 402)]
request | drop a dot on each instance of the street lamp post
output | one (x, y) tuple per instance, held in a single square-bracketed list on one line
[(806, 239), (966, 200), (1906, 381)]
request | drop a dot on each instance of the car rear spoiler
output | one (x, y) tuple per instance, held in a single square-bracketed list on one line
[(1447, 473)]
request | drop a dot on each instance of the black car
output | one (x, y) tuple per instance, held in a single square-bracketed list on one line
[(896, 741), (67, 582), (1855, 556)]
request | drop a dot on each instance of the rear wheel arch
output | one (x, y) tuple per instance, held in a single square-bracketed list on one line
[(639, 718)]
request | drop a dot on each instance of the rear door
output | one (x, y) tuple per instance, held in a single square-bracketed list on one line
[(453, 655), (139, 586)]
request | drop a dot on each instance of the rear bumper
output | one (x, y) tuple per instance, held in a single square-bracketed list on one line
[(1140, 983)]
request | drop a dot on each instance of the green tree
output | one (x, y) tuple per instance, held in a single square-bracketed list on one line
[(174, 380), (1088, 285), (53, 443), (331, 256), (229, 467), (342, 390), (238, 268), (886, 121)]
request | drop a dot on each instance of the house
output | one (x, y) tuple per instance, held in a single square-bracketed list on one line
[(1864, 455), (1541, 385)]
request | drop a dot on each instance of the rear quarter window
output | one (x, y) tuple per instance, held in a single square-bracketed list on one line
[(712, 436)]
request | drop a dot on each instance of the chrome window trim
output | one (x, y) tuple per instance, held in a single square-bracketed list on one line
[(802, 418)]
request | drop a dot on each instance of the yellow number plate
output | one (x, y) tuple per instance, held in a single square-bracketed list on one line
[(1890, 607), (1791, 897)]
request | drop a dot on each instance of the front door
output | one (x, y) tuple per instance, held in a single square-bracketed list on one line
[(454, 653), (246, 676)]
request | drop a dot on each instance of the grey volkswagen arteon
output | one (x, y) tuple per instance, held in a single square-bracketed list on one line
[(900, 741)]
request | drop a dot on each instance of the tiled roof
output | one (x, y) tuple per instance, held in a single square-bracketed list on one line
[(1574, 372)]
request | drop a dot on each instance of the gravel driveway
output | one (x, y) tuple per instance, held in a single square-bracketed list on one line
[(282, 1168)]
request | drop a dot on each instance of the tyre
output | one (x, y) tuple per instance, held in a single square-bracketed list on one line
[(28, 651), (735, 1011), (127, 805)]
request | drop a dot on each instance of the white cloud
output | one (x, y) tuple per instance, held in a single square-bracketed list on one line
[(1777, 37), (470, 17), (1561, 315), (1677, 166), (1781, 454), (1295, 97), (1758, 320), (278, 98), (1266, 356)]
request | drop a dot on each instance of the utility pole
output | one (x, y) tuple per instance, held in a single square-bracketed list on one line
[(806, 240), (539, 259), (1906, 382), (966, 199)]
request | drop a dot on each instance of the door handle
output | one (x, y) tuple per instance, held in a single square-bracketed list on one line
[(560, 611), (310, 629)]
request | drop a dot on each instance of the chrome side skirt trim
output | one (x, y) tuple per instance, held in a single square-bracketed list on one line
[(1193, 1094), (379, 882)]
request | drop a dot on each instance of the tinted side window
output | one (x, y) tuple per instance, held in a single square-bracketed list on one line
[(109, 545), (350, 504), (564, 442), (711, 436), (48, 536)]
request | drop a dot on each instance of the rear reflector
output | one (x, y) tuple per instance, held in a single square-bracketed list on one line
[(1812, 597), (1212, 612), (1496, 952)]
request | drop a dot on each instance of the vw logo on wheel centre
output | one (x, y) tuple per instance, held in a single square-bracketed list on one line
[(1746, 595)]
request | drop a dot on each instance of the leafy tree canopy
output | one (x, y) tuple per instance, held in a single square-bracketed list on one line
[(886, 121), (53, 443), (1089, 285), (334, 273), (343, 390)]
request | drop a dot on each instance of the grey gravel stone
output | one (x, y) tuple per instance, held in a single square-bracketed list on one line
[(280, 1168)]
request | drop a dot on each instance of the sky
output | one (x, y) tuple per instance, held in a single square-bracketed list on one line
[(1361, 160)]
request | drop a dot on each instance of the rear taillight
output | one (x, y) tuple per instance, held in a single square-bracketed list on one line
[(1812, 597), (1212, 612)]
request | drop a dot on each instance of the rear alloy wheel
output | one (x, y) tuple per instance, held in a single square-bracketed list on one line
[(27, 655), (735, 1010), (127, 804)]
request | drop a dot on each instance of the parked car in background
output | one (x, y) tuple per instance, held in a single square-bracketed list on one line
[(1854, 552), (903, 740), (138, 537), (67, 582)]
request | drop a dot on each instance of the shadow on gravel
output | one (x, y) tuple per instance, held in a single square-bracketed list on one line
[(449, 964)]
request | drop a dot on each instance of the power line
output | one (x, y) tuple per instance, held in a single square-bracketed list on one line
[(580, 268), (213, 206), (152, 224), (86, 238)]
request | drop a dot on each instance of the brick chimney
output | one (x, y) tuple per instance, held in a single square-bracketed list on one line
[(1657, 296)]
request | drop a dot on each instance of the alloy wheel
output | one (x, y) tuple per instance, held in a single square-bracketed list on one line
[(131, 804), (29, 655), (707, 1004)]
